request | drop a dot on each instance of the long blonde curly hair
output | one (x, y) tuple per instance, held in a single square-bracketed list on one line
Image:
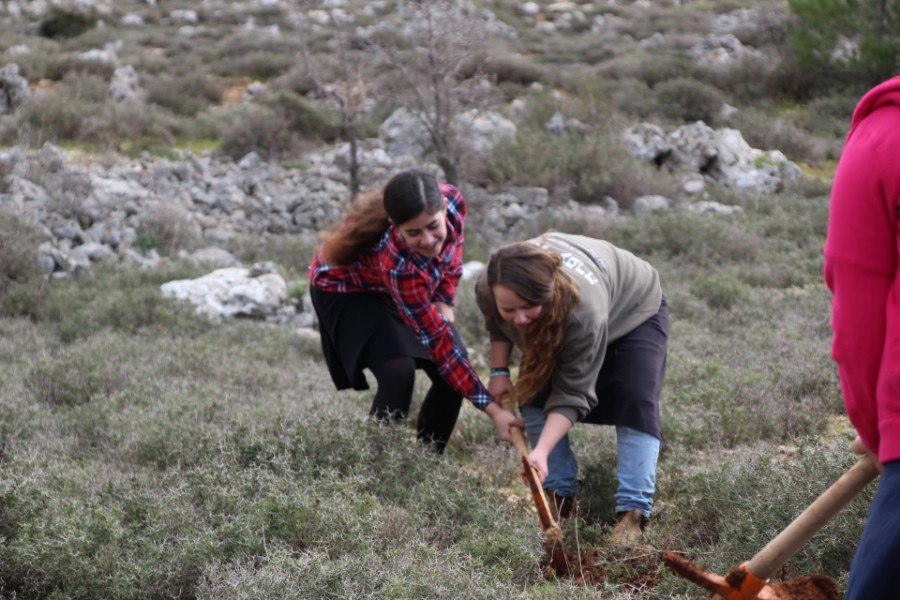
[(536, 276)]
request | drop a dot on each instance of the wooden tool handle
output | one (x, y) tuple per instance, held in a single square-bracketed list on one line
[(768, 560), (515, 433), (519, 442), (532, 477), (553, 534)]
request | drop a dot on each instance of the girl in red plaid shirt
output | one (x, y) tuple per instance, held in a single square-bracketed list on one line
[(383, 288)]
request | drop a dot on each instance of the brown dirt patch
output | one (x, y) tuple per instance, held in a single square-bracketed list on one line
[(592, 568), (583, 569), (44, 87), (817, 587), (234, 94)]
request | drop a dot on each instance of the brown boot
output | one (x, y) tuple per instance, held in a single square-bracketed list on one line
[(562, 507), (629, 527)]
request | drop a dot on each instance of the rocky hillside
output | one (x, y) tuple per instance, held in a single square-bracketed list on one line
[(139, 128)]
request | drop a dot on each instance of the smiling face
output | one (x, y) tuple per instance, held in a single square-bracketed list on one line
[(514, 309), (425, 234)]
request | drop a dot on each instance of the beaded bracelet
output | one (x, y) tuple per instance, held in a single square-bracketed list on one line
[(499, 372)]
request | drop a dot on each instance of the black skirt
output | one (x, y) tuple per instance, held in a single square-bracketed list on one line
[(364, 329), (630, 382)]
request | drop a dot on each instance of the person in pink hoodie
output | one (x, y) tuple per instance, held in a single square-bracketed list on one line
[(861, 270)]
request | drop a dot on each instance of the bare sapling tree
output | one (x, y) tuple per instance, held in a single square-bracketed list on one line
[(340, 76), (438, 55)]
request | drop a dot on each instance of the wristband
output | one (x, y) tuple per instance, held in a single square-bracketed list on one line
[(499, 372)]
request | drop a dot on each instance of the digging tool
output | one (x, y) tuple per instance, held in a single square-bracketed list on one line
[(553, 538), (749, 580)]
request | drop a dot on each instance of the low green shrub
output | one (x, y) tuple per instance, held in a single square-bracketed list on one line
[(253, 55), (63, 23), (779, 275), (84, 86), (763, 131), (719, 291), (53, 118), (652, 68), (293, 253), (297, 80), (830, 115), (73, 376), (185, 95), (304, 119), (80, 112), (643, 23), (725, 516), (591, 226), (635, 98), (692, 240), (257, 65), (747, 80), (131, 127), (130, 303), (76, 65), (767, 28), (793, 227), (587, 50), (586, 168), (688, 100), (168, 229), (21, 279), (259, 129), (507, 68)]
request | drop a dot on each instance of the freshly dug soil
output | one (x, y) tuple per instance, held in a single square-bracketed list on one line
[(817, 587), (587, 569), (581, 569)]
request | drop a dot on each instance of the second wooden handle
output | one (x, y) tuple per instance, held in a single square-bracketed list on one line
[(826, 506)]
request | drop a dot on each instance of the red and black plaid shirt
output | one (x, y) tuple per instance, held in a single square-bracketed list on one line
[(415, 282)]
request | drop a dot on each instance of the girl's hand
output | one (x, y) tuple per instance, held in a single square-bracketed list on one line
[(859, 448), (538, 461), (446, 311), (503, 420)]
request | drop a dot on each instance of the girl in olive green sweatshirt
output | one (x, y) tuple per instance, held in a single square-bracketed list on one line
[(591, 323)]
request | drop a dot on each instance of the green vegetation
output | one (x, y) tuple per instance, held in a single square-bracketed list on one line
[(149, 453), (20, 276), (315, 85), (685, 99), (846, 41), (63, 23), (588, 168)]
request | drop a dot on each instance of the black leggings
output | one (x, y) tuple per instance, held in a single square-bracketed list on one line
[(440, 408)]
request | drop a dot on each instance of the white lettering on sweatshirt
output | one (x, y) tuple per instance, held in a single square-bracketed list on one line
[(573, 263)]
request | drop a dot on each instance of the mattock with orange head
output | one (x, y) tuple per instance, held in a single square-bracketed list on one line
[(749, 580)]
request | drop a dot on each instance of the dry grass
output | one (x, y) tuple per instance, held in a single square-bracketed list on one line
[(217, 461), (147, 453)]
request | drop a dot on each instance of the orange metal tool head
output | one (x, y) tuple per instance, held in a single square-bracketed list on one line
[(741, 584), (738, 584)]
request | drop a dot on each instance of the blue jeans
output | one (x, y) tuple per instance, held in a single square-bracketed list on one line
[(636, 456), (874, 572)]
